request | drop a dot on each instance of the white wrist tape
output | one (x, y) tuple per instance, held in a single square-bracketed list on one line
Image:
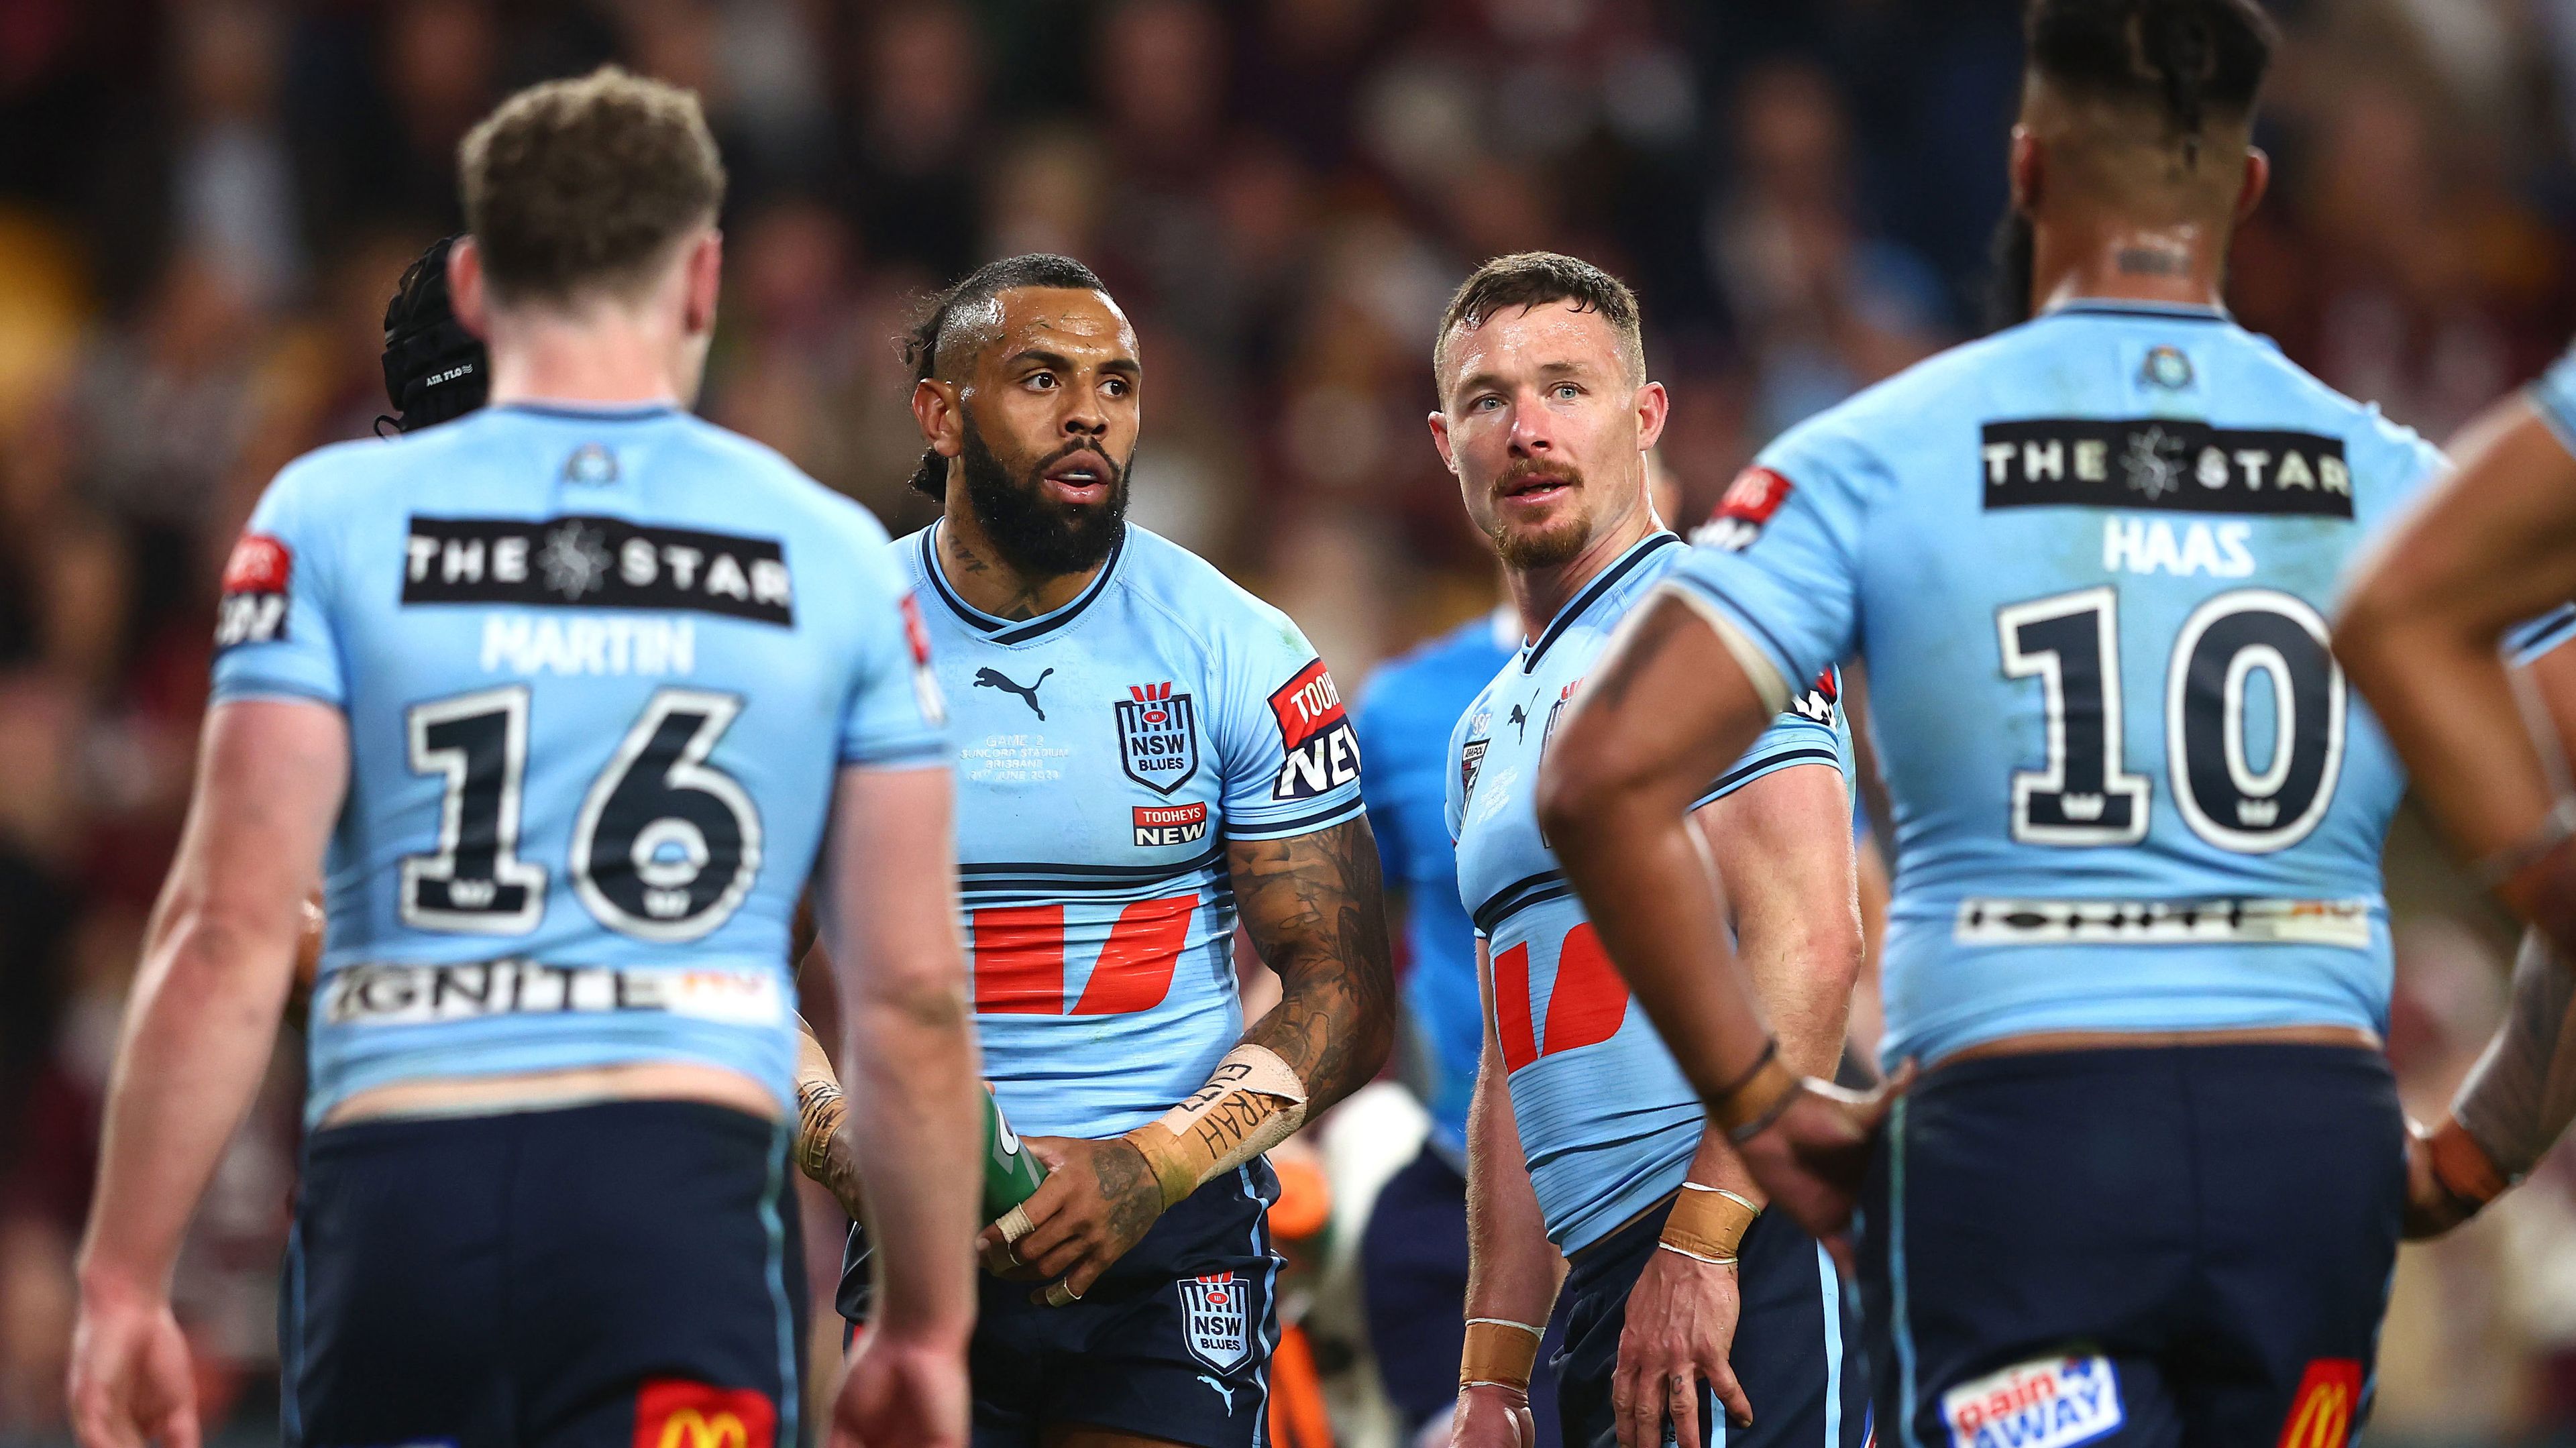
[(2522, 1093), (1252, 1102)]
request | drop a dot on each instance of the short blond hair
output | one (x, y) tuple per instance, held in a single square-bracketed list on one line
[(584, 185)]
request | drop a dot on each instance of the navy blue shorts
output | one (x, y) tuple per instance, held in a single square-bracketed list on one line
[(1793, 1341), (1413, 1272), (2134, 1246), (1172, 1342), (595, 1277)]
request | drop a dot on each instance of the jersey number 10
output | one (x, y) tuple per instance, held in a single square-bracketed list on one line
[(2086, 796), (664, 849)]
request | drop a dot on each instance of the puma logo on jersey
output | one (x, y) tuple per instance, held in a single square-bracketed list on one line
[(996, 679)]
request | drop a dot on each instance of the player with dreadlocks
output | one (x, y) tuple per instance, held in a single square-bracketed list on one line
[(2148, 1188), (1146, 753)]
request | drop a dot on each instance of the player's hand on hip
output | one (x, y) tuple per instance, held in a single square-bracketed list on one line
[(1811, 1158), (900, 1393), (2431, 1207), (1490, 1415), (1098, 1200), (1680, 1327), (130, 1382)]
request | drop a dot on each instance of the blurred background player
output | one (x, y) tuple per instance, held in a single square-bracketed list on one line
[(2139, 812), (1146, 754), (1586, 1140), (1413, 1258), (2427, 631), (553, 1035), (2423, 635)]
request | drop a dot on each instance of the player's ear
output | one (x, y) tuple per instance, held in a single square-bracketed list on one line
[(1440, 439), (2028, 169), (2258, 179), (702, 278), (465, 288), (935, 406), (1654, 405)]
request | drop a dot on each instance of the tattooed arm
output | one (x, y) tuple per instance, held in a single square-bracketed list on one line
[(1314, 910)]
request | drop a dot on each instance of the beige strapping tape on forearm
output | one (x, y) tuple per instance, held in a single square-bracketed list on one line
[(1707, 1224), (1251, 1102), (820, 1109), (1499, 1352)]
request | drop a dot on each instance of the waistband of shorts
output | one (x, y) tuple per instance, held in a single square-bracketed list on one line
[(2104, 1061), (575, 1119)]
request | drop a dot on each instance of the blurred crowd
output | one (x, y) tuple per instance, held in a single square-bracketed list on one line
[(204, 205)]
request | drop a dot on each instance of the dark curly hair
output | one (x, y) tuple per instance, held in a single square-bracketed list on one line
[(2194, 58), (939, 322)]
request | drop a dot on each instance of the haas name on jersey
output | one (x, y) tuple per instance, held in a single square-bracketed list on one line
[(1323, 753)]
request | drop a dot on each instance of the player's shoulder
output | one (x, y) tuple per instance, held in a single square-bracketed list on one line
[(1194, 597), (757, 473), (1882, 420)]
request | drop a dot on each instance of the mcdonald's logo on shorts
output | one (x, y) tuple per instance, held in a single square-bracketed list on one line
[(674, 1413), (2322, 1413)]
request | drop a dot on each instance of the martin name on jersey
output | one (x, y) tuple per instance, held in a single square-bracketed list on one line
[(1105, 754)]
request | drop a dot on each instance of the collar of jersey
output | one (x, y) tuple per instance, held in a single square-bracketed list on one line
[(1013, 630), (1566, 617), (2123, 307), (579, 412)]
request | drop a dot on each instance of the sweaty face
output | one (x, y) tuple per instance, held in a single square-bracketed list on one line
[(1050, 422), (1541, 414)]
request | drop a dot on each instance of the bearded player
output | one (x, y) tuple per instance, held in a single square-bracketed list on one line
[(1146, 755), (1694, 1314), (2150, 1185)]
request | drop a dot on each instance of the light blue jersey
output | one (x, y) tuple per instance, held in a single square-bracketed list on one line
[(1106, 752), (2089, 561), (1405, 717), (1606, 1120), (600, 668)]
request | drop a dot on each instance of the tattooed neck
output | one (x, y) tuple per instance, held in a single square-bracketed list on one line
[(2153, 261)]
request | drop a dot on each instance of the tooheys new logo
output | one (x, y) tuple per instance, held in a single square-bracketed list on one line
[(1744, 511), (1323, 753), (253, 607)]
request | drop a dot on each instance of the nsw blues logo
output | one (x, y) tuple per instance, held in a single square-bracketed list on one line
[(1216, 1319), (1158, 737)]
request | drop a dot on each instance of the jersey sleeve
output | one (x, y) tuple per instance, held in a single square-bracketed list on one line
[(1809, 731), (2525, 643), (275, 635), (1290, 756), (2553, 396), (894, 716), (1780, 557), (1379, 788)]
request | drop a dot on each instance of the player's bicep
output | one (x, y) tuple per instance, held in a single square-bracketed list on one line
[(1782, 845), (1667, 709), (270, 777), (2492, 544)]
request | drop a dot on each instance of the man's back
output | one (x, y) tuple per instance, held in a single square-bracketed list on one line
[(2146, 750), (584, 656)]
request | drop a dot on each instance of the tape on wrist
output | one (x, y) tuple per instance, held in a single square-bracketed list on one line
[(1707, 1224), (1500, 1353), (1755, 1101), (820, 1109), (2463, 1167), (1251, 1103), (2554, 829)]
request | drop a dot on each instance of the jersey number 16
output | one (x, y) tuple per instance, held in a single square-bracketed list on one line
[(664, 849)]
